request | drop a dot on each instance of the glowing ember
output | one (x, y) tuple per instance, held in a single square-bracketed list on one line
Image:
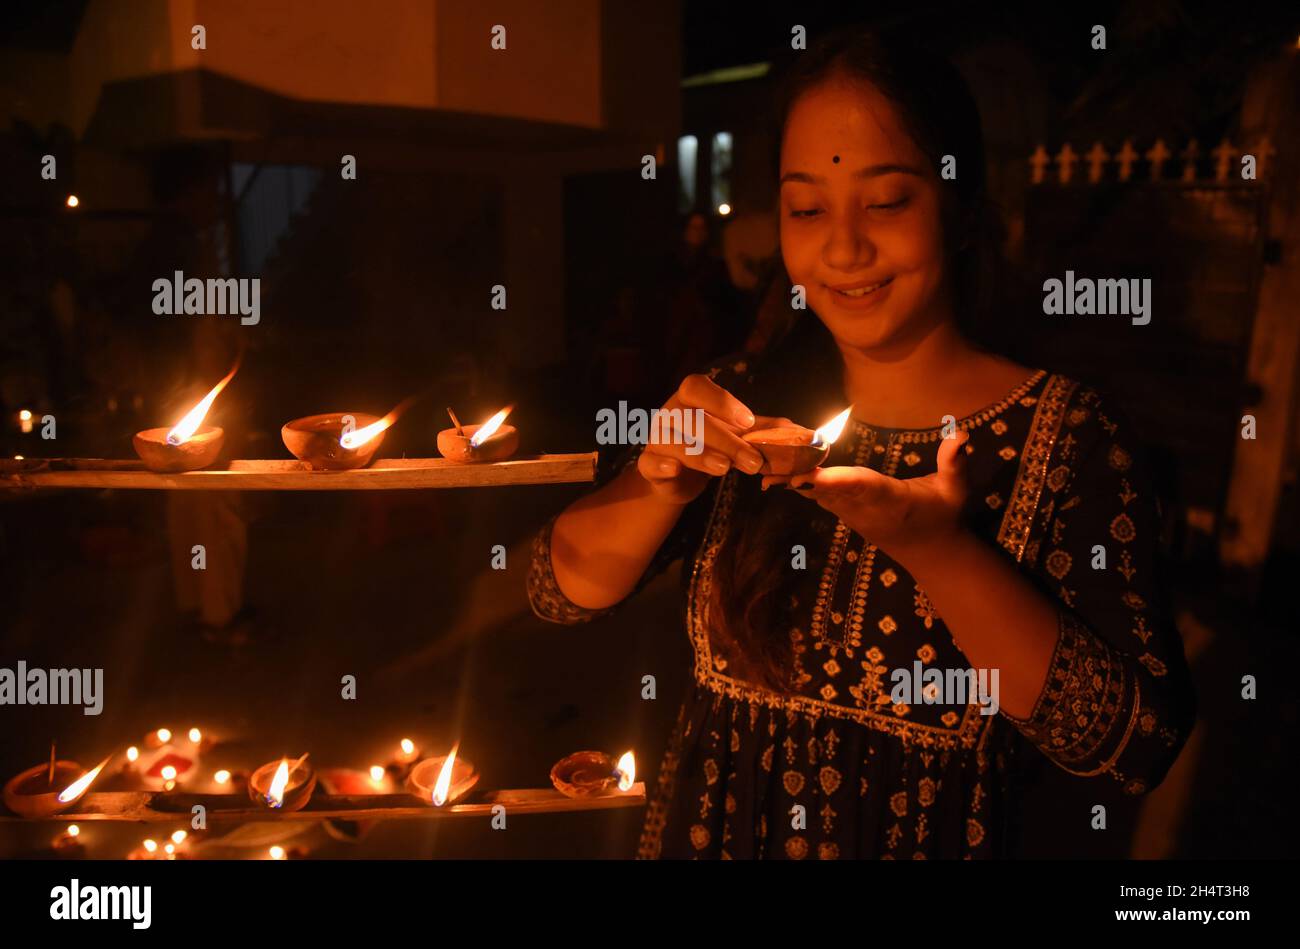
[(275, 796), (489, 428), (442, 786), (828, 433), (186, 427), (626, 771), (78, 787)]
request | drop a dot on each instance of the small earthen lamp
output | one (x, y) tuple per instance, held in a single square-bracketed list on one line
[(42, 792), (793, 449), (587, 774), (423, 779), (189, 444), (283, 785), (491, 441), (318, 440)]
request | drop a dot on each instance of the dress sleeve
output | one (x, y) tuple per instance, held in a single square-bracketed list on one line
[(544, 594), (1118, 699)]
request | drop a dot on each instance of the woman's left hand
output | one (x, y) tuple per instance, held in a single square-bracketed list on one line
[(900, 516)]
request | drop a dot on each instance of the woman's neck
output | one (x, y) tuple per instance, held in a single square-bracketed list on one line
[(941, 374)]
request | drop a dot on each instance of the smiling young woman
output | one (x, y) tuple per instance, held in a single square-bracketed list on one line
[(975, 513)]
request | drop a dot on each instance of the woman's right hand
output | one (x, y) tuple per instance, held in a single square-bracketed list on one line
[(678, 476)]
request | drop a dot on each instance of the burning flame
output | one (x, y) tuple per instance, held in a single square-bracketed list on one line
[(443, 785), (408, 747), (358, 437), (78, 787), (275, 796), (489, 428), (187, 426), (828, 433), (626, 771)]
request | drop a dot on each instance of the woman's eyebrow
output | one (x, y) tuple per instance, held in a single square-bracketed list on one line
[(869, 171)]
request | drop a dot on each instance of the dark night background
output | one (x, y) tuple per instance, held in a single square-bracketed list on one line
[(226, 161)]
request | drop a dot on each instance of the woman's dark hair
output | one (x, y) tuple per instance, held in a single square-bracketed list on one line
[(801, 371)]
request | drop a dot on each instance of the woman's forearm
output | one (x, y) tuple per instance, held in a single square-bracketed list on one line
[(602, 543), (998, 618)]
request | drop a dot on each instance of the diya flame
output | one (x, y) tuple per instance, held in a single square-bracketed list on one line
[(184, 429), (830, 432), (489, 428)]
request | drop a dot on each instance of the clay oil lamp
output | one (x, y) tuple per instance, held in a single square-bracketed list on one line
[(189, 444), (593, 773), (491, 441), (441, 780), (49, 789), (283, 785), (338, 441), (792, 450), (353, 783), (400, 767)]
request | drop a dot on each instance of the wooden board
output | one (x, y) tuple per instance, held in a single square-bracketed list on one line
[(385, 474), (173, 806)]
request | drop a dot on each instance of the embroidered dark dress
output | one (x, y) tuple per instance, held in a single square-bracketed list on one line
[(1054, 482)]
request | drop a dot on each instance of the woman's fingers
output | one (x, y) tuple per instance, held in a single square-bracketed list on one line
[(698, 391), (714, 451), (842, 481)]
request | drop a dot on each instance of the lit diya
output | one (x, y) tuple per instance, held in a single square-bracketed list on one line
[(592, 773), (189, 444), (441, 780), (491, 441), (792, 450), (338, 441), (282, 785), (49, 788)]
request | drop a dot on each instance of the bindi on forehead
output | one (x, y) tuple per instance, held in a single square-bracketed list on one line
[(835, 159)]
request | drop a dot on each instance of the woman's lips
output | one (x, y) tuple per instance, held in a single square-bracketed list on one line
[(861, 294)]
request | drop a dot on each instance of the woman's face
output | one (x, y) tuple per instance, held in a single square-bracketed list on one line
[(861, 224)]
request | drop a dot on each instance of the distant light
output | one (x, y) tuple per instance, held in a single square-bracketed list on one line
[(179, 836), (25, 420), (222, 776), (150, 845), (164, 734), (195, 735), (132, 753), (168, 773), (730, 74), (170, 848), (18, 457), (277, 852), (724, 208), (25, 415), (376, 773), (73, 830), (73, 201)]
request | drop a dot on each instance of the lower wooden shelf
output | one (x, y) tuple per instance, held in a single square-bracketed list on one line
[(385, 474), (173, 806)]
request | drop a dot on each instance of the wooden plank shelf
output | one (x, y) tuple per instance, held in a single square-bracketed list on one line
[(173, 806), (385, 474)]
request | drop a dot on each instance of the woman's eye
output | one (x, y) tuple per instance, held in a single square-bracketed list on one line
[(810, 212), (891, 206)]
